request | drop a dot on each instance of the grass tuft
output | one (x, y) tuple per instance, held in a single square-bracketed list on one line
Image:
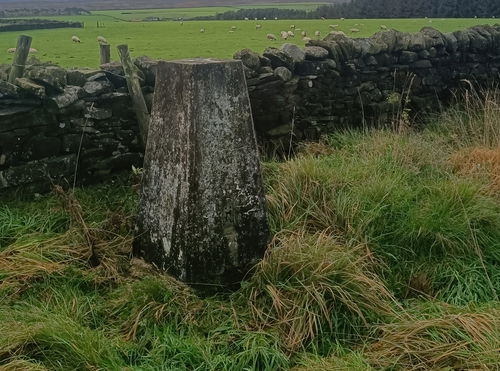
[(309, 286), (465, 341)]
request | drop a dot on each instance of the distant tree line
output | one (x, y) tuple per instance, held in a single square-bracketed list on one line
[(34, 12), (412, 9), (8, 25), (375, 9)]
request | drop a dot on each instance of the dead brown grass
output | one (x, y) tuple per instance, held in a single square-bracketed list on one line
[(468, 341), (22, 365), (478, 161), (309, 285), (32, 258)]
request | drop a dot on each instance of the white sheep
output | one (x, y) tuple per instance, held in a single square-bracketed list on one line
[(306, 39), (246, 18), (13, 50), (284, 35), (317, 34), (76, 39), (102, 40), (258, 26), (292, 26), (233, 28), (342, 19), (354, 30), (323, 18), (202, 30), (271, 36), (383, 27), (291, 34), (303, 33), (333, 26)]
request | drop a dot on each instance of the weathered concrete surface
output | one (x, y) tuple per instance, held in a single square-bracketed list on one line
[(202, 210)]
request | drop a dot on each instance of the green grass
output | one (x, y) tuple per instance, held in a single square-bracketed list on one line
[(385, 255), (173, 13), (170, 40)]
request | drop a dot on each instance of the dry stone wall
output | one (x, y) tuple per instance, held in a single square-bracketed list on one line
[(54, 121)]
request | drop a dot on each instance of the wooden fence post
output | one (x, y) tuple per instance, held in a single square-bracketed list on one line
[(20, 57), (134, 88), (202, 208), (105, 51)]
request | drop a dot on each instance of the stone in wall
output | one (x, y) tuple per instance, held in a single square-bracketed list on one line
[(56, 122), (296, 93)]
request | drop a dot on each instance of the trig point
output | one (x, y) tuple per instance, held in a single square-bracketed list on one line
[(202, 209)]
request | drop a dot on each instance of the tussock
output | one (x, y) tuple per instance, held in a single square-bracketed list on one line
[(474, 121), (22, 365), (62, 343), (468, 341), (309, 286), (33, 257), (152, 299), (482, 162)]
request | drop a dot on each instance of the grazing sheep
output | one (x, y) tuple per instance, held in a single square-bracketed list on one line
[(284, 34), (292, 26), (101, 40), (333, 26), (182, 23), (291, 34), (383, 27), (257, 26), (271, 36), (264, 18), (233, 28), (246, 18), (76, 39), (342, 19), (202, 30), (317, 34), (354, 30), (323, 18), (306, 39), (231, 31), (13, 50), (275, 18), (303, 33)]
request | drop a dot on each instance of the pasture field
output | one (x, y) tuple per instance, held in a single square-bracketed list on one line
[(197, 12), (171, 40)]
